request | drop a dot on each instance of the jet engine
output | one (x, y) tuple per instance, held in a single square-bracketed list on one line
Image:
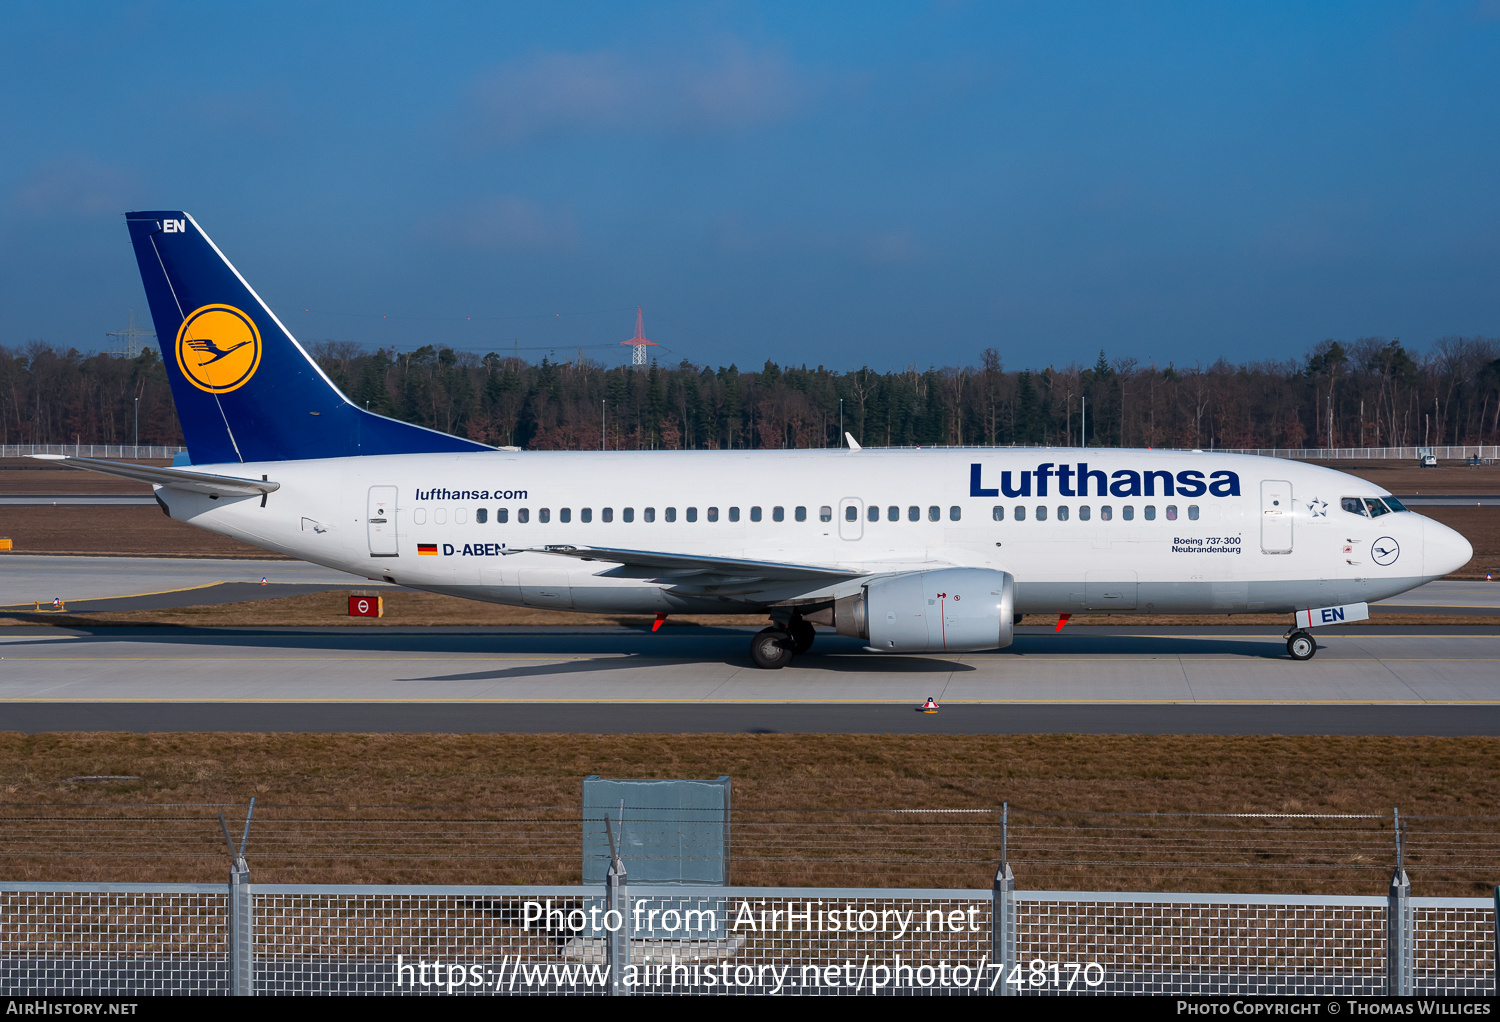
[(951, 610)]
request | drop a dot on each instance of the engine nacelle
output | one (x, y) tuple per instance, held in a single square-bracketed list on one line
[(953, 610)]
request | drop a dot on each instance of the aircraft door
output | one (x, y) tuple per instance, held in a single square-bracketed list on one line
[(851, 518), (381, 521), (1275, 516)]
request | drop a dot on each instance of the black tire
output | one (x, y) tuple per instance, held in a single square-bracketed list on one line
[(802, 634), (771, 649), (1301, 646)]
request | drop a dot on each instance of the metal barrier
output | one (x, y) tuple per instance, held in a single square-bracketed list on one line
[(137, 939), (127, 451), (1456, 452)]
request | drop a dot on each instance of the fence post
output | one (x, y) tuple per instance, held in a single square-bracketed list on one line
[(241, 914), (1003, 927), (616, 899), (1398, 949)]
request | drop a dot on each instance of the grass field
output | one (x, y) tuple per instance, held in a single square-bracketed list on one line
[(433, 808)]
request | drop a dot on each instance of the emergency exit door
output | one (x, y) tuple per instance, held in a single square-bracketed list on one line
[(1275, 516), (381, 519)]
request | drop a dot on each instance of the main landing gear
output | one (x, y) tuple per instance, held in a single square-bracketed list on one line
[(773, 648), (1300, 645)]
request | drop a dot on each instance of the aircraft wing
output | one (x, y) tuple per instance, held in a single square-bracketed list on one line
[(698, 570), (180, 479)]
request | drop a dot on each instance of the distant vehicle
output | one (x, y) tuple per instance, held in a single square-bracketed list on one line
[(1429, 461), (913, 551)]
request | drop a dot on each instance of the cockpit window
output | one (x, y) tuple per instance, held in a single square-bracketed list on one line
[(1376, 507), (1394, 504), (1355, 506)]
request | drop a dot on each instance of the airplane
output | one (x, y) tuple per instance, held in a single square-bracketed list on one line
[(912, 551)]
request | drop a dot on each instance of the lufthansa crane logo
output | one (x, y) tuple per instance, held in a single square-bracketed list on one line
[(1384, 551), (218, 348)]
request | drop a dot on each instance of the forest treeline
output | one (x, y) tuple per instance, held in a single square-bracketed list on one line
[(1370, 392)]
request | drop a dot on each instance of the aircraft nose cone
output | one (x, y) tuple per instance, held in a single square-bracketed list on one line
[(1444, 550)]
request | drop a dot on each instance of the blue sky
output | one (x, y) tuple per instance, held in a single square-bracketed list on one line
[(838, 184)]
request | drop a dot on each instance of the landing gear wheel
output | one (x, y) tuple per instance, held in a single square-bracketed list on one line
[(802, 634), (1300, 646), (771, 649)]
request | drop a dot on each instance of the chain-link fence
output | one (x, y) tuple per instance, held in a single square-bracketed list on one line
[(701, 936), (82, 939)]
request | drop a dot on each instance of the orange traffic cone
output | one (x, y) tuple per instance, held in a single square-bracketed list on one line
[(930, 706)]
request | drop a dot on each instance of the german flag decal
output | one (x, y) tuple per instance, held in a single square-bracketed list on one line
[(427, 549)]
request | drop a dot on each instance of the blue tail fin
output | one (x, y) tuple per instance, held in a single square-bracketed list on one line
[(245, 389)]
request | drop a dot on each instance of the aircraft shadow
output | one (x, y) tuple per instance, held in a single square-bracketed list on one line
[(707, 644), (810, 661)]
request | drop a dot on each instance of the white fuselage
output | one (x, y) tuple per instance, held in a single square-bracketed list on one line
[(1179, 532)]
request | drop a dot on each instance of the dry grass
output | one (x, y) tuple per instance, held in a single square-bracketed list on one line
[(339, 808)]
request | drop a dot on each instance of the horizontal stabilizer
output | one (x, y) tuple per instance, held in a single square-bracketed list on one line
[(702, 570), (179, 479)]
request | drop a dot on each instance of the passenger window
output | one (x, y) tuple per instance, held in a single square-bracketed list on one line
[(1171, 512), (755, 514), (1062, 512), (648, 514), (1083, 512), (692, 514), (502, 515), (934, 513), (914, 514), (778, 514), (998, 514), (607, 515), (523, 516), (565, 515), (713, 514), (734, 514), (671, 514), (851, 513), (1376, 507), (1192, 512), (586, 515), (440, 515), (460, 516), (544, 515), (628, 514), (481, 515), (1106, 513), (419, 516), (1041, 512), (801, 513), (825, 513), (1128, 513), (955, 513), (872, 513), (1150, 512), (1020, 512), (1354, 506)]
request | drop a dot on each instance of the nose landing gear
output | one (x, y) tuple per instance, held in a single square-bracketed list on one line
[(1300, 645)]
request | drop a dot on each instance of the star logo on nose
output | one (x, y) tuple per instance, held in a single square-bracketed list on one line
[(1319, 508)]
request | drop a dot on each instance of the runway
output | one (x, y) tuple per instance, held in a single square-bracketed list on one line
[(1367, 679)]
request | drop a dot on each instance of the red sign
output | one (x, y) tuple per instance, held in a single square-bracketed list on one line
[(366, 606)]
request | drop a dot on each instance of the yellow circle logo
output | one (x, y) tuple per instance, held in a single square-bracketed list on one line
[(218, 348)]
